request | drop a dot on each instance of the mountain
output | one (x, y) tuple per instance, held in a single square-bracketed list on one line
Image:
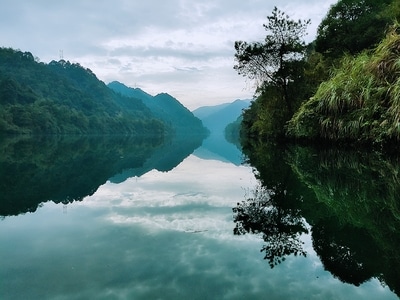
[(65, 98), (164, 107), (216, 147), (205, 111), (217, 117), (129, 92)]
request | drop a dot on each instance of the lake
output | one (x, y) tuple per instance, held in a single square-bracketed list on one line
[(129, 218)]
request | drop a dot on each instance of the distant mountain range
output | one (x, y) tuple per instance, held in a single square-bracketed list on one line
[(217, 117), (164, 107)]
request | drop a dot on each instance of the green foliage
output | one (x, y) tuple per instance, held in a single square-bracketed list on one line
[(360, 102), (64, 98), (350, 102), (316, 70), (266, 117), (277, 61), (352, 26), (279, 67)]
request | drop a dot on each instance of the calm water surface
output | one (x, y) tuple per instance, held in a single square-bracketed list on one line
[(90, 219)]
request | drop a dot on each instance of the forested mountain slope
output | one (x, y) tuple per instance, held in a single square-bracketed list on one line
[(65, 98), (165, 107)]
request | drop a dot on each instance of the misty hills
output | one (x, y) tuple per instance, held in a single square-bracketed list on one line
[(164, 107), (217, 117), (66, 98)]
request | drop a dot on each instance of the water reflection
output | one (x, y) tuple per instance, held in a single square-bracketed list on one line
[(281, 225), (216, 147), (66, 169), (349, 199), (169, 234)]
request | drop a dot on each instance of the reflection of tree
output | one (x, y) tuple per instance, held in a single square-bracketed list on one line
[(356, 231), (281, 227), (275, 209), (350, 199), (343, 251)]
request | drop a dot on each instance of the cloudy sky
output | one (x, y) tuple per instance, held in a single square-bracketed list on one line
[(182, 47)]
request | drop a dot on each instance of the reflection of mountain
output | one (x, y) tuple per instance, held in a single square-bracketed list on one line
[(216, 118), (218, 148), (350, 199), (164, 158), (64, 169)]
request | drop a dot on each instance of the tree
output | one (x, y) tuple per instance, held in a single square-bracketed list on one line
[(353, 25), (275, 62)]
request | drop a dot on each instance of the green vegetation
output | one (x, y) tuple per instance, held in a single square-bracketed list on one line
[(355, 214), (343, 87), (232, 132), (65, 98), (277, 67), (360, 102), (348, 196), (352, 26)]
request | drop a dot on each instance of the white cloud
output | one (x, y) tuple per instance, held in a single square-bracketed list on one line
[(153, 41)]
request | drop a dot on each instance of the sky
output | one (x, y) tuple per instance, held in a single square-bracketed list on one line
[(181, 47)]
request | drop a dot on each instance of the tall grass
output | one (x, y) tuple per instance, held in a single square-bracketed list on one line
[(361, 100)]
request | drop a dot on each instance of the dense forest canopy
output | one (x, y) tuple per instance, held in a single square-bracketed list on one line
[(65, 98), (351, 64), (352, 26)]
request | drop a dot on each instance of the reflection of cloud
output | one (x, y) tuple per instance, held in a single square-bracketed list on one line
[(131, 241), (90, 260), (222, 185), (183, 200)]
